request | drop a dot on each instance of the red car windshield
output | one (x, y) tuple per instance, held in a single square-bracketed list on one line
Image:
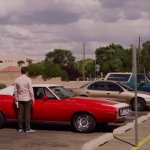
[(61, 92)]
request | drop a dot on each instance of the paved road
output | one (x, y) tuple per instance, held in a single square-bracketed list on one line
[(50, 137)]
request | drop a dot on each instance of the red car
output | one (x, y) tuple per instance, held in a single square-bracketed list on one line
[(54, 103)]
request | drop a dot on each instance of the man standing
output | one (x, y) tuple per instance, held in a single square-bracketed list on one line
[(24, 95)]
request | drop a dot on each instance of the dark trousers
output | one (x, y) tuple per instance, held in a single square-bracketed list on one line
[(24, 114)]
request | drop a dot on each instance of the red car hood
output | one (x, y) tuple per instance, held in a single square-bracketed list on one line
[(94, 100)]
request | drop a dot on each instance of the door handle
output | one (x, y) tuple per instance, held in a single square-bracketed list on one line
[(108, 93), (87, 92)]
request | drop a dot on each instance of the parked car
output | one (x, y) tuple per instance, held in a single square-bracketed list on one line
[(54, 103), (115, 91), (143, 80)]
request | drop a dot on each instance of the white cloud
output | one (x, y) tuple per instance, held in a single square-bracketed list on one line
[(9, 6), (33, 28)]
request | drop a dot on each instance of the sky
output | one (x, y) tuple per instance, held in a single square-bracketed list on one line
[(36, 27)]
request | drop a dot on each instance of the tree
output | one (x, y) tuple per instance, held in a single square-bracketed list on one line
[(145, 56), (61, 57), (20, 63), (72, 72), (89, 67), (114, 58), (29, 61), (35, 69), (47, 70), (66, 60), (53, 70)]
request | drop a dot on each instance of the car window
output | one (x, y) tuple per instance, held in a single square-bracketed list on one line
[(113, 87), (61, 92), (119, 77), (125, 86), (105, 86), (142, 78), (49, 94), (148, 76), (39, 92), (98, 86)]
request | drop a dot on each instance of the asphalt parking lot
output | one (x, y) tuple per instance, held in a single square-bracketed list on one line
[(50, 137), (47, 137)]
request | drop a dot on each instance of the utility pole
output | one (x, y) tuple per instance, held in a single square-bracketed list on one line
[(134, 68), (95, 67), (83, 66), (139, 56)]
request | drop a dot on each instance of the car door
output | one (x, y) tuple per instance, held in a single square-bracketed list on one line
[(47, 107), (8, 106), (143, 83), (115, 92), (107, 90), (96, 89)]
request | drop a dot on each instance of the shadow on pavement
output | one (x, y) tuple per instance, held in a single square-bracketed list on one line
[(124, 141), (57, 127)]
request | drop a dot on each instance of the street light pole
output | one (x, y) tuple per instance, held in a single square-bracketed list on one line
[(134, 69)]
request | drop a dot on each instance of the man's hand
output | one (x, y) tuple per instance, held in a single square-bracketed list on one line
[(16, 104), (32, 101)]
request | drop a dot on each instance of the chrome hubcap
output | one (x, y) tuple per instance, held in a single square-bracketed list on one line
[(82, 122)]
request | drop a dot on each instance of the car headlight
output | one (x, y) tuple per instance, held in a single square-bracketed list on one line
[(124, 111)]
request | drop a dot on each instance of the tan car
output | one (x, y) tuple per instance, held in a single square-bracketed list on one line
[(115, 91)]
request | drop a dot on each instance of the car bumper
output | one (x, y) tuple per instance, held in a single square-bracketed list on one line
[(147, 102)]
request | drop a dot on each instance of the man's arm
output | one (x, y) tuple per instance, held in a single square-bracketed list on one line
[(15, 92), (31, 90)]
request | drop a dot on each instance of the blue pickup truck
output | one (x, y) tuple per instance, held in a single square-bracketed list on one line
[(143, 80)]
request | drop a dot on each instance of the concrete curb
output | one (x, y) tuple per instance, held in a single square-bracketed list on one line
[(131, 125), (95, 143), (98, 141), (141, 119), (123, 129)]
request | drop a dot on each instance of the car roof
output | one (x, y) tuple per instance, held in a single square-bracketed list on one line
[(107, 81), (119, 73), (10, 89), (46, 85)]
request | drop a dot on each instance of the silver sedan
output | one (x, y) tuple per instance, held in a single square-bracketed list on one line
[(115, 91)]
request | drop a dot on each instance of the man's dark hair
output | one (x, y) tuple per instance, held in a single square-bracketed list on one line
[(24, 70)]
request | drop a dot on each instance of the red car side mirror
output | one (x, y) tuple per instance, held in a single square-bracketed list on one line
[(45, 97)]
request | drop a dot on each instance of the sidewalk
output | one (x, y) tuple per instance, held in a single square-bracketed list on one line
[(126, 141)]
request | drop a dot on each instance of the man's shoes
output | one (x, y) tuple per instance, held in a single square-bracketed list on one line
[(30, 131), (20, 130)]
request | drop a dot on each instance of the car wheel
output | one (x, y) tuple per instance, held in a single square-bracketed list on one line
[(2, 120), (83, 123), (141, 105)]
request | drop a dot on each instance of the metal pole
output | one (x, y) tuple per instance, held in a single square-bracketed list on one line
[(134, 70), (95, 66), (83, 69)]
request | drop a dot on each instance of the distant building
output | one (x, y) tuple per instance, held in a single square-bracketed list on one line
[(10, 69), (13, 60), (9, 74)]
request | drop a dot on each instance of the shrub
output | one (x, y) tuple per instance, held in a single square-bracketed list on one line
[(2, 85)]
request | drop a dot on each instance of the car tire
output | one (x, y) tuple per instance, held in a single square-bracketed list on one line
[(2, 120), (141, 105), (84, 123)]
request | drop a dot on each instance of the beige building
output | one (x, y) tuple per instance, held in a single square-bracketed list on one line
[(13, 60), (10, 65)]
